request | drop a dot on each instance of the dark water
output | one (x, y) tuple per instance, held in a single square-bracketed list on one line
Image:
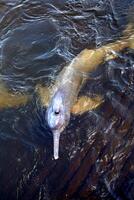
[(38, 38)]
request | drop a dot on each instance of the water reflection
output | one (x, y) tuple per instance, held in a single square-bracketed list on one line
[(38, 38)]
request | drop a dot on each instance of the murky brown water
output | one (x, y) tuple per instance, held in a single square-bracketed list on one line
[(97, 149)]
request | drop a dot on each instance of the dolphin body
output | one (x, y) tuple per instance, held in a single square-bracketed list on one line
[(63, 96)]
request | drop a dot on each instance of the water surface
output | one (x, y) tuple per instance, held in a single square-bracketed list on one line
[(38, 38)]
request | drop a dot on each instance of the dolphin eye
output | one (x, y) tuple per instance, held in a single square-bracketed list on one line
[(56, 112)]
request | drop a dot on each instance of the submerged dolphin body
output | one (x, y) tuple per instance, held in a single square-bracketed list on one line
[(64, 100), (71, 79)]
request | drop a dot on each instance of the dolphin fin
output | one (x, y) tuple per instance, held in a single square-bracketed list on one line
[(84, 104), (44, 94), (9, 99)]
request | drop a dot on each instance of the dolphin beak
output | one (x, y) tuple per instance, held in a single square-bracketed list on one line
[(56, 139)]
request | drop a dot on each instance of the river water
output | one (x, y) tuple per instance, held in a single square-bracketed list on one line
[(38, 38)]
